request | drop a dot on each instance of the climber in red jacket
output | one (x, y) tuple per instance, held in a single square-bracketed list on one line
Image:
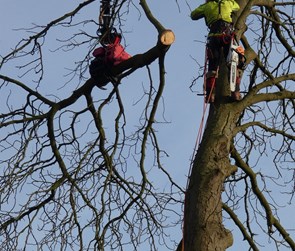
[(106, 56)]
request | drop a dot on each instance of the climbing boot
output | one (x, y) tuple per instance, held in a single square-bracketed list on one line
[(210, 96), (210, 90), (236, 96)]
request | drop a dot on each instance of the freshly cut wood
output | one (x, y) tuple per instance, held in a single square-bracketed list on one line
[(167, 37)]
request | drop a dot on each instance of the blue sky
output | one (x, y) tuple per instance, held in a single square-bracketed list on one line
[(183, 108)]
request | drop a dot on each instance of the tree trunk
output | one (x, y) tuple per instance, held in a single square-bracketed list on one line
[(203, 228)]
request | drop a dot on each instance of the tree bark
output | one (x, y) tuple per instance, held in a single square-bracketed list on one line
[(203, 228), (165, 39)]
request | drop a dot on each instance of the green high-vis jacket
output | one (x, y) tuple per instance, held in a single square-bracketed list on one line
[(212, 12)]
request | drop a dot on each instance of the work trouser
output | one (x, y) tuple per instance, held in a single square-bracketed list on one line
[(219, 39)]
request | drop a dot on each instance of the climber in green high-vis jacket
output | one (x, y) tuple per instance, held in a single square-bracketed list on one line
[(215, 10), (217, 14)]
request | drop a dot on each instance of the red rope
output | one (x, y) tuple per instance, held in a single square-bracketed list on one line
[(200, 131), (199, 135)]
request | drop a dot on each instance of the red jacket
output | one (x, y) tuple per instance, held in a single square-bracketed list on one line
[(113, 54)]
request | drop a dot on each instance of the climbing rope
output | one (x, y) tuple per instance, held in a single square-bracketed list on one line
[(106, 32), (111, 52), (200, 130)]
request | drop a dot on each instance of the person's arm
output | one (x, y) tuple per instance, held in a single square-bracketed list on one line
[(198, 13), (236, 6)]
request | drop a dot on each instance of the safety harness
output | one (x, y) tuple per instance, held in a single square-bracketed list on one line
[(235, 59)]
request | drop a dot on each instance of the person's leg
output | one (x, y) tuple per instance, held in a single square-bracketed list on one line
[(213, 58), (210, 86)]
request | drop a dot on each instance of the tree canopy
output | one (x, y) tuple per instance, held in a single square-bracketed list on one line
[(85, 169)]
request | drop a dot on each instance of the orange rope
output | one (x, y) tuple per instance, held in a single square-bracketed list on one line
[(199, 135), (200, 132)]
